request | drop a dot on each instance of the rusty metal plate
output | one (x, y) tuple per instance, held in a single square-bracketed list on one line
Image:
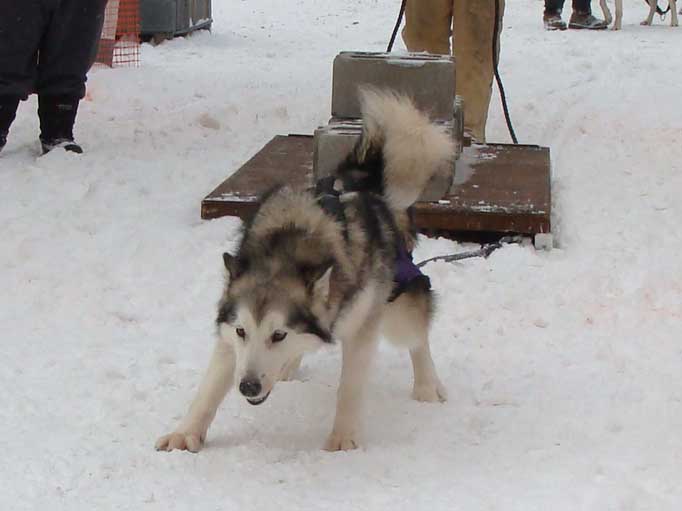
[(283, 160), (497, 188)]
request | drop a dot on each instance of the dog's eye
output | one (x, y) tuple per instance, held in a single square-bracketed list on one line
[(278, 336), (241, 333)]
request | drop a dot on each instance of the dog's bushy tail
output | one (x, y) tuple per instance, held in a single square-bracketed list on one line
[(410, 147)]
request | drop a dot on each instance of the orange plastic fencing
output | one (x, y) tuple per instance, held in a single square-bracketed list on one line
[(119, 45)]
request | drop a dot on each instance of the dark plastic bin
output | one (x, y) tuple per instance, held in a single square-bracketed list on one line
[(167, 18)]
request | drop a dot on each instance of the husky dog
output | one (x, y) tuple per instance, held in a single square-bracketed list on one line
[(334, 264), (653, 9), (608, 17)]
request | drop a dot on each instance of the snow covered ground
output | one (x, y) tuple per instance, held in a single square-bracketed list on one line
[(563, 368)]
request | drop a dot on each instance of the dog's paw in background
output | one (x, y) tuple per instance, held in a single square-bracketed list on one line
[(430, 393), (182, 441), (341, 442)]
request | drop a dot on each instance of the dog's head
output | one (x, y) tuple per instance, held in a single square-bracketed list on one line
[(271, 321)]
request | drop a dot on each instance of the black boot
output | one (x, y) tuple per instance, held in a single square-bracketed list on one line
[(57, 117), (553, 21), (585, 20), (8, 111)]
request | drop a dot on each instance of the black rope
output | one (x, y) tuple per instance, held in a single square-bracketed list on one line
[(484, 252), (397, 26), (496, 58)]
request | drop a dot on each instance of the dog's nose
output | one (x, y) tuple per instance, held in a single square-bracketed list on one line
[(250, 388)]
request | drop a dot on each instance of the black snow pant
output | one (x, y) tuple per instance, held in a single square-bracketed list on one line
[(555, 6), (48, 46)]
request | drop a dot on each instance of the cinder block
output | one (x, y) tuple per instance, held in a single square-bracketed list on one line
[(439, 185), (458, 124), (543, 241), (333, 143), (428, 79)]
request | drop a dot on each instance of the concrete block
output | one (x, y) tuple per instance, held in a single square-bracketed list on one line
[(428, 79), (458, 125), (543, 241), (438, 186), (333, 143)]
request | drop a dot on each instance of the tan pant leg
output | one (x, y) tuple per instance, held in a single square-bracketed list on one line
[(472, 47), (428, 25)]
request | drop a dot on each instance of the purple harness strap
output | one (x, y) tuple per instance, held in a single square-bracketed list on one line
[(405, 269), (406, 272)]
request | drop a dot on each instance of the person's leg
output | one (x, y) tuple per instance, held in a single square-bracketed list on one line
[(552, 15), (582, 6), (67, 52), (428, 25), (22, 24), (8, 111), (582, 17), (473, 50), (554, 6)]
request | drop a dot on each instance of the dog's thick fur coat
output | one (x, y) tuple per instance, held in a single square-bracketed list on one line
[(305, 275)]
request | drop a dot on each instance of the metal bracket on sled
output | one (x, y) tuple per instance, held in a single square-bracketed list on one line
[(543, 241)]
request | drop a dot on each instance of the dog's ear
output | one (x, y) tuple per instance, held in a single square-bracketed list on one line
[(321, 286), (317, 279), (230, 264)]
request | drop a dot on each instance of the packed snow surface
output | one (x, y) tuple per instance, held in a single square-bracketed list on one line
[(563, 367)]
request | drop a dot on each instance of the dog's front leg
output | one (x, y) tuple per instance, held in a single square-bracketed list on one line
[(191, 432), (673, 17), (618, 24), (358, 352), (652, 11)]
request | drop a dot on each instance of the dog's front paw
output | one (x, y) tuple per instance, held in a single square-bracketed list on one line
[(341, 442), (430, 392), (183, 441)]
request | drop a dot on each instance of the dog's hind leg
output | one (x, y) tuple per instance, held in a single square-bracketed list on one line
[(191, 432), (406, 322), (358, 352), (652, 11), (618, 23), (607, 12), (427, 386)]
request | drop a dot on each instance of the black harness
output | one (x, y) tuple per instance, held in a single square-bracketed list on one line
[(407, 275), (658, 9)]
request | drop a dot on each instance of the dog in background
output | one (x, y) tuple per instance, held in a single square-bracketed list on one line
[(618, 22), (653, 9)]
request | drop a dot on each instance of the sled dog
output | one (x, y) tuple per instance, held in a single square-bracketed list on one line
[(330, 265), (653, 9)]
